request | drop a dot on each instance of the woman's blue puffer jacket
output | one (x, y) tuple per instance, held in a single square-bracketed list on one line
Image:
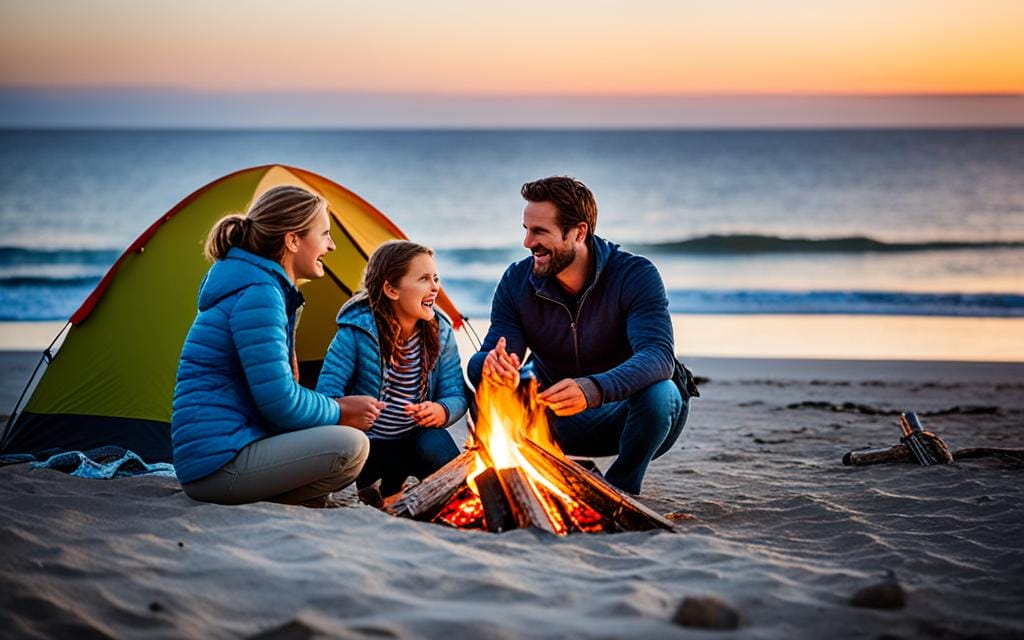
[(235, 381), (353, 365)]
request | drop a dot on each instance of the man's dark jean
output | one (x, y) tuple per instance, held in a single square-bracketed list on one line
[(638, 429)]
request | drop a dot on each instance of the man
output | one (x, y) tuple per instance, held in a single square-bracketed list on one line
[(596, 320)]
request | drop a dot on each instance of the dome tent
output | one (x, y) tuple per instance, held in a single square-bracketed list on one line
[(108, 378)]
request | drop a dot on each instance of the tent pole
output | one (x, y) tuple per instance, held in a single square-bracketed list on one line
[(47, 356), (473, 337)]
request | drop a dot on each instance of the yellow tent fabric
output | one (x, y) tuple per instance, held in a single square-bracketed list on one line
[(112, 379)]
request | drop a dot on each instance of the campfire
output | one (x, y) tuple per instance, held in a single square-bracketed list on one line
[(513, 475)]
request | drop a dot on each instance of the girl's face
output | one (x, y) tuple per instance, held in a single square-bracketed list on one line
[(414, 295)]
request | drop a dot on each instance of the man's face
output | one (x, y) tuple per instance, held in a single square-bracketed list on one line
[(552, 252)]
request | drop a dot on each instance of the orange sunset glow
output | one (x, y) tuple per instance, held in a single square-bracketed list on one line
[(736, 46)]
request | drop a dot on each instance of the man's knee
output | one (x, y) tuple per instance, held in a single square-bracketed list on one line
[(661, 399)]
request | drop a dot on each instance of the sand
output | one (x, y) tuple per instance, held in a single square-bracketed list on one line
[(781, 531)]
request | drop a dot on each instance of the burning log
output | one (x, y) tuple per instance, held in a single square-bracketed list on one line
[(514, 475), (528, 510), (424, 500), (497, 511), (619, 510)]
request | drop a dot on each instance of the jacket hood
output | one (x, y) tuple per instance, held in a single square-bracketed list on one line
[(241, 269), (356, 312), (603, 251)]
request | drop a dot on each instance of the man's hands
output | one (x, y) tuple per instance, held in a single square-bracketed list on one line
[(565, 398), (427, 414), (501, 367), (360, 411)]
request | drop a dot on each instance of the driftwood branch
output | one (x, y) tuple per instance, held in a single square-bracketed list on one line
[(1008, 455), (900, 453)]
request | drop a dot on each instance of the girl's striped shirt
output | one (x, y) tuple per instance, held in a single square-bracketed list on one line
[(401, 387)]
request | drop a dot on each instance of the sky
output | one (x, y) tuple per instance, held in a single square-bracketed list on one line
[(405, 63)]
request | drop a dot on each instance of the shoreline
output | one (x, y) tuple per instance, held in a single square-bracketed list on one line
[(16, 366), (787, 337)]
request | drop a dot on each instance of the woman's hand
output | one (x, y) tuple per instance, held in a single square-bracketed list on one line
[(427, 414), (360, 411)]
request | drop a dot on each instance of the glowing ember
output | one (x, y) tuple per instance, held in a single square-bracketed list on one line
[(513, 475), (465, 511)]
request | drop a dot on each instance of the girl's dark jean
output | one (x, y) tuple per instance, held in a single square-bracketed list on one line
[(420, 453)]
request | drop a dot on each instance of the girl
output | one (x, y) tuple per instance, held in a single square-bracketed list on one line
[(393, 351), (243, 429)]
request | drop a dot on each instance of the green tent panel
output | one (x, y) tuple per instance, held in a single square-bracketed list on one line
[(111, 380)]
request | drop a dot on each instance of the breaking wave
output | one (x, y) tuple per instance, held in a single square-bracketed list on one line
[(725, 244)]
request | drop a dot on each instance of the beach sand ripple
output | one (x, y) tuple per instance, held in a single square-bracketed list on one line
[(782, 533)]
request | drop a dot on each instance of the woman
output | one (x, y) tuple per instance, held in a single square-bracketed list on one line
[(243, 429), (394, 352)]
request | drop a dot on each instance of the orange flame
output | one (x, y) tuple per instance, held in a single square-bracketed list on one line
[(506, 418)]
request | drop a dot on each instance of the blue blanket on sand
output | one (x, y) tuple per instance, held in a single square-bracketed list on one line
[(104, 463)]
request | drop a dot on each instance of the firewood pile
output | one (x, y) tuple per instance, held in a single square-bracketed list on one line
[(513, 475)]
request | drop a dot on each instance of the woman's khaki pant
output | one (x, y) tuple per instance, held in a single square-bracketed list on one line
[(298, 467)]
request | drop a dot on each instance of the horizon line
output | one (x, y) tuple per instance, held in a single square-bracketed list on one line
[(505, 94)]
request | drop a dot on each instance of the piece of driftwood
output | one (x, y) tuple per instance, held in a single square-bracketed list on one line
[(916, 445), (614, 506), (864, 457), (900, 453), (424, 500), (497, 512), (1008, 455)]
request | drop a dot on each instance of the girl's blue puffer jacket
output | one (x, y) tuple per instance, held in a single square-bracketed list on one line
[(235, 382), (354, 366)]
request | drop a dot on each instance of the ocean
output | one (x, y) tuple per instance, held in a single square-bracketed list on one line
[(880, 222)]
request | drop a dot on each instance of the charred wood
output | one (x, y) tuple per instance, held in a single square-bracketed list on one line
[(424, 500), (527, 508), (497, 512), (615, 506)]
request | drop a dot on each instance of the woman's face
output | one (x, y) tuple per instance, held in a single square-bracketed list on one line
[(312, 246), (414, 295)]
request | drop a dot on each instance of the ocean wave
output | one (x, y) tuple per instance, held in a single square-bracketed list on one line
[(998, 305), (48, 281), (474, 299), (52, 298), (18, 255), (726, 244)]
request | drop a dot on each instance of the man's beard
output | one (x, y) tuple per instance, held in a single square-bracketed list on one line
[(557, 262)]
